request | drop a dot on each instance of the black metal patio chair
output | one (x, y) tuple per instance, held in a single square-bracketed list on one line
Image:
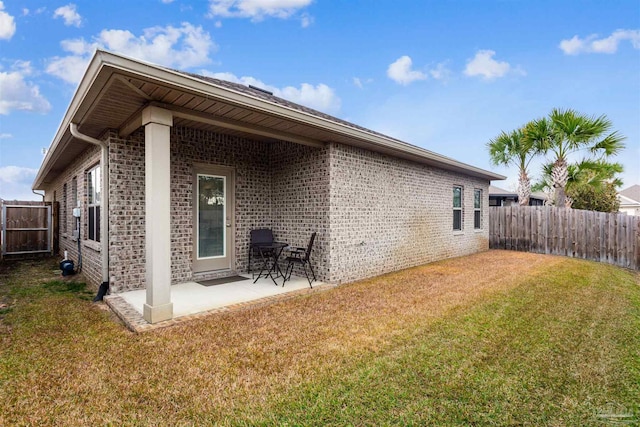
[(300, 256), (257, 238)]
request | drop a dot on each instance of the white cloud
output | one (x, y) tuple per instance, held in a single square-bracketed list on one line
[(16, 181), (592, 44), (485, 66), (68, 68), (440, 72), (16, 174), (572, 46), (256, 10), (166, 1), (5, 136), (182, 47), (400, 71), (18, 94), (360, 83), (320, 97), (7, 24), (69, 14), (306, 20)]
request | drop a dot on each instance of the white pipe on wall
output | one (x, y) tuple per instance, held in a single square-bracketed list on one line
[(104, 196)]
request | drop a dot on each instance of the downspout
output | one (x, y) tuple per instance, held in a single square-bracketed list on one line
[(38, 194), (104, 202)]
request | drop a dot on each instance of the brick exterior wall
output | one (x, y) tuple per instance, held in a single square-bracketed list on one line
[(373, 213), (91, 261), (249, 158), (388, 214), (267, 177), (300, 195), (126, 212)]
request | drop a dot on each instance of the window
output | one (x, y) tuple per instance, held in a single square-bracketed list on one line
[(75, 204), (93, 202), (63, 209), (74, 192), (477, 209), (457, 208)]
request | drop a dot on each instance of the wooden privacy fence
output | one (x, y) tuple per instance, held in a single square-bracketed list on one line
[(27, 228), (606, 237)]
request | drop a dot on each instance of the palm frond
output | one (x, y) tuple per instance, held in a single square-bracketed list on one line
[(611, 145)]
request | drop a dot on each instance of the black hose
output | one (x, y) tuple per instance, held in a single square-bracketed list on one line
[(79, 269)]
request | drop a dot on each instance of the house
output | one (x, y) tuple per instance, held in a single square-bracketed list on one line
[(501, 197), (630, 200), (161, 175)]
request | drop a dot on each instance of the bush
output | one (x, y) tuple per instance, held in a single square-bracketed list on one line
[(602, 199)]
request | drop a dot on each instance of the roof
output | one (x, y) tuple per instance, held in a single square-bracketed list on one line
[(500, 192), (632, 193), (497, 191), (268, 96), (115, 89), (626, 202)]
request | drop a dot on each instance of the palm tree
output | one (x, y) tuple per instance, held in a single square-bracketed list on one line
[(514, 149), (593, 173), (566, 132), (597, 173)]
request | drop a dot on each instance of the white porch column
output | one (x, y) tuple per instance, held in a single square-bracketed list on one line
[(157, 123)]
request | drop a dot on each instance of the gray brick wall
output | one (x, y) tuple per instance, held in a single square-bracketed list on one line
[(126, 212), (263, 184), (300, 198), (252, 184), (373, 213), (387, 214), (91, 261)]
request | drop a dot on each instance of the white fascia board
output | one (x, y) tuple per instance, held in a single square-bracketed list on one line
[(626, 201), (85, 84)]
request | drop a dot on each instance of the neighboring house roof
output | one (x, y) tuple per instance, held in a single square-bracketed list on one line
[(500, 192), (627, 202), (115, 90), (631, 194)]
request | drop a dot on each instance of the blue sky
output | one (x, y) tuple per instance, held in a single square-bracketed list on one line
[(444, 75)]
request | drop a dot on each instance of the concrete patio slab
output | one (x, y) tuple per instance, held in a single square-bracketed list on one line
[(193, 300)]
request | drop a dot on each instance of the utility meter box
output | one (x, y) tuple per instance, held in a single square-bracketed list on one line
[(76, 212)]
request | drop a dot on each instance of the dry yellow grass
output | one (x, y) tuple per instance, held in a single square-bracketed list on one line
[(66, 362)]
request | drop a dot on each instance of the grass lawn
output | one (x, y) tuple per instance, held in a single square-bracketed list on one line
[(497, 338)]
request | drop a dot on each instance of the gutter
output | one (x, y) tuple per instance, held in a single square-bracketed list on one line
[(104, 202)]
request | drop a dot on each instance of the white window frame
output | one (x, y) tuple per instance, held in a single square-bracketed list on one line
[(477, 209), (94, 187), (64, 214), (458, 208), (224, 229)]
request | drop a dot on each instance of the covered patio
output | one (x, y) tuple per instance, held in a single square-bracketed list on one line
[(193, 300), (181, 155)]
